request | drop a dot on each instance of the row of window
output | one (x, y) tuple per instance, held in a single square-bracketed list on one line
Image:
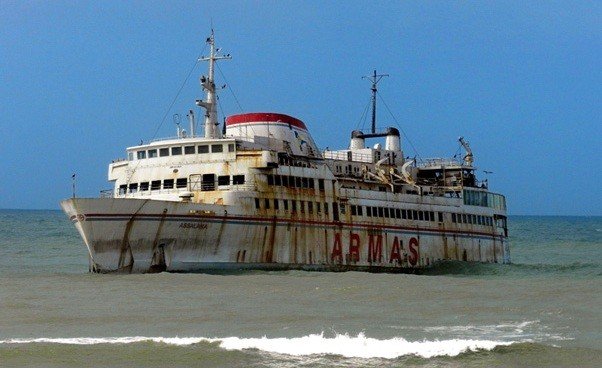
[(294, 182), (292, 205), (179, 150), (463, 218), (396, 213), (206, 182), (385, 212), (484, 199)]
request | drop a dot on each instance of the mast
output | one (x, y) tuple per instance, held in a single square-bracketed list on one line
[(208, 84), (374, 78)]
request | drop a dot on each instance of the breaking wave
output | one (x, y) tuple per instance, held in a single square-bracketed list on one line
[(358, 346)]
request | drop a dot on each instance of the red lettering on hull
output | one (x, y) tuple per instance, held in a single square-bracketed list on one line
[(395, 252), (375, 248), (413, 245), (337, 249), (354, 247)]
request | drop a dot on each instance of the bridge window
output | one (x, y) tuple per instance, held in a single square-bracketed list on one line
[(216, 148), (163, 152), (152, 153), (231, 147), (133, 187), (208, 182), (144, 186), (318, 207), (277, 180), (276, 204), (359, 211), (353, 210), (189, 150), (204, 148), (168, 184), (238, 179), (123, 189), (155, 184), (310, 207), (175, 151), (321, 184), (181, 183), (256, 203), (453, 217), (267, 203), (141, 154), (223, 180), (285, 204)]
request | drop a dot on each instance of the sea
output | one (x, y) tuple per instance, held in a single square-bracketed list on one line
[(543, 310)]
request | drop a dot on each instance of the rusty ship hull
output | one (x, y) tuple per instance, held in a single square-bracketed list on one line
[(138, 235)]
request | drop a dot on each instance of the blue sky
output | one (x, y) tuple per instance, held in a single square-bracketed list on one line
[(522, 81)]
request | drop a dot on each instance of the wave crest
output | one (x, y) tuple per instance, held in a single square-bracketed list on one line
[(344, 345)]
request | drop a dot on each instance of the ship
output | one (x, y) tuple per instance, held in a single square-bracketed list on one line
[(256, 193)]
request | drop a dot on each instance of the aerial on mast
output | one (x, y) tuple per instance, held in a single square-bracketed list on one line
[(208, 84), (374, 78), (468, 158)]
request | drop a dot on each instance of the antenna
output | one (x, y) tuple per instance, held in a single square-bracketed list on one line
[(468, 158), (176, 120), (73, 184), (208, 84), (374, 78)]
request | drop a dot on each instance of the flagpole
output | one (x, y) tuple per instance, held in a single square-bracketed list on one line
[(73, 184)]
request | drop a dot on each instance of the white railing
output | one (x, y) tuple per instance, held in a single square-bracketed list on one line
[(109, 193), (344, 156), (429, 162)]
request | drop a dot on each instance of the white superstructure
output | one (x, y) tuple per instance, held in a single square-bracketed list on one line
[(261, 195)]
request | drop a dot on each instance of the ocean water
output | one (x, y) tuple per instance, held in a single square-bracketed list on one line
[(543, 310)]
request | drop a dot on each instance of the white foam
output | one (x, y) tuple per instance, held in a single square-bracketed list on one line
[(359, 346)]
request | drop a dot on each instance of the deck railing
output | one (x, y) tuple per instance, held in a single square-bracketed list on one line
[(106, 193)]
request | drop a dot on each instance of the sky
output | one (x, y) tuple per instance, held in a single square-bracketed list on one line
[(521, 80)]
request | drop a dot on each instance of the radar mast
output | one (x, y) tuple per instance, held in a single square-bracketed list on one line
[(374, 78), (208, 84)]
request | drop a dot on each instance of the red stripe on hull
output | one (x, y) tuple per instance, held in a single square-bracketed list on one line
[(301, 221)]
